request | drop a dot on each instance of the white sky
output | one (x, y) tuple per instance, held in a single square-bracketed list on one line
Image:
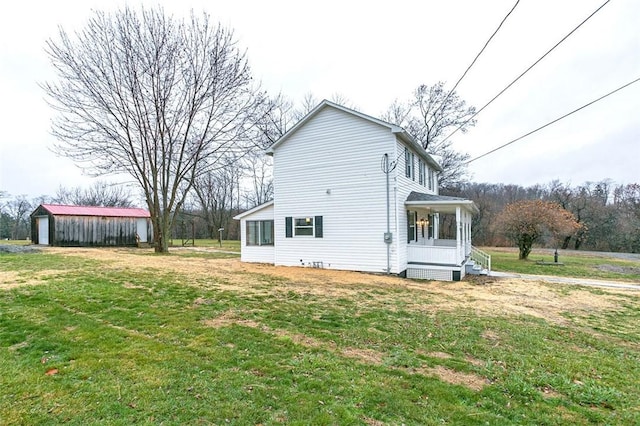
[(373, 52)]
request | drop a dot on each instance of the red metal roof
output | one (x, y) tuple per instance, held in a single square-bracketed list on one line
[(95, 211)]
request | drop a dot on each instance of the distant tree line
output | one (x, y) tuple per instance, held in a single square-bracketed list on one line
[(609, 213)]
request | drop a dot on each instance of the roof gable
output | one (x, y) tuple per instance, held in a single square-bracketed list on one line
[(322, 105), (397, 130), (65, 210), (253, 210)]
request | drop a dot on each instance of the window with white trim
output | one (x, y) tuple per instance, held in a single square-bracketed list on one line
[(260, 232), (409, 169), (311, 226), (421, 175), (412, 234), (303, 226), (431, 173)]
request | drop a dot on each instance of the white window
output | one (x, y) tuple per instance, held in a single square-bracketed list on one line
[(431, 176), (260, 232), (421, 175), (409, 161), (303, 226)]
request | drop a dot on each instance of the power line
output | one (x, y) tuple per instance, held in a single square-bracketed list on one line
[(554, 121), (480, 53), (526, 71)]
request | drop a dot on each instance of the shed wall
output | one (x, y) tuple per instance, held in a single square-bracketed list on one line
[(94, 231)]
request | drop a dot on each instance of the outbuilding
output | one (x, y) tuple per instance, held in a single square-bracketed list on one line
[(74, 226)]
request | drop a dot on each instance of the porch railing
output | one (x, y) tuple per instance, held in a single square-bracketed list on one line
[(482, 258), (435, 254)]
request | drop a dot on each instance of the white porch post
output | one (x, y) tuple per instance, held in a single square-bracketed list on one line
[(469, 219), (458, 232)]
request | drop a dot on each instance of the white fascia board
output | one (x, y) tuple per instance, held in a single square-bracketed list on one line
[(445, 204), (253, 210)]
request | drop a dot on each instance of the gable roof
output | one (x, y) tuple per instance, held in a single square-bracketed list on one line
[(64, 210), (397, 130)]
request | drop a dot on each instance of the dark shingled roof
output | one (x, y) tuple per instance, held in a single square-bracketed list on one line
[(419, 196)]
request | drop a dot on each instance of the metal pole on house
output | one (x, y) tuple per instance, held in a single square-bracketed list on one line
[(220, 231)]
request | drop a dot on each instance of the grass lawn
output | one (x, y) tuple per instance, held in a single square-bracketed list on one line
[(229, 245), (121, 336), (575, 264)]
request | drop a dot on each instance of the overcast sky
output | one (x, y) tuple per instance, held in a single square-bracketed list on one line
[(373, 52)]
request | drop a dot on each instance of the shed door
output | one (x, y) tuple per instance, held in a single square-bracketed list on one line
[(43, 230), (141, 229)]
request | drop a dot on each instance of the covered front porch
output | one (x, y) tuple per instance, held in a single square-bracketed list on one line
[(429, 256)]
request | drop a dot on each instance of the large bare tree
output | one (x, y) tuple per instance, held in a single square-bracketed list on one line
[(153, 96), (100, 193), (431, 116)]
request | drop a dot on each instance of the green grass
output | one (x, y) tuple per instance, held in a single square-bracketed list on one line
[(578, 265), (229, 245), (138, 345)]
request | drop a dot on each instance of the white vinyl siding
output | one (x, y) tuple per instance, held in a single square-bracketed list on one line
[(263, 253), (314, 174), (404, 186)]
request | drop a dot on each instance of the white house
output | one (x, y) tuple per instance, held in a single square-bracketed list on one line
[(353, 192)]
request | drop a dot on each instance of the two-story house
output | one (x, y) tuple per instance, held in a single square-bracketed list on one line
[(353, 192)]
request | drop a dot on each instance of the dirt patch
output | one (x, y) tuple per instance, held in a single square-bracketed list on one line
[(470, 380), (13, 279), (230, 318), (548, 392)]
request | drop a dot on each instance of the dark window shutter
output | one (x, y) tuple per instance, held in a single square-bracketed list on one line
[(408, 226), (318, 225), (288, 223)]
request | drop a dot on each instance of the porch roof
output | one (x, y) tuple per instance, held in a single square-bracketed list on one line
[(440, 203)]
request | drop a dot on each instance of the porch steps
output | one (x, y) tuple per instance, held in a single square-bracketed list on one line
[(478, 263), (473, 268)]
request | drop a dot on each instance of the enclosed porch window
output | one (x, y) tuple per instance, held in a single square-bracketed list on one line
[(260, 232)]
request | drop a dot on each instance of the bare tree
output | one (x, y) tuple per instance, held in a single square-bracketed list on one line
[(430, 116), (153, 96), (17, 210), (260, 171), (216, 191), (99, 194)]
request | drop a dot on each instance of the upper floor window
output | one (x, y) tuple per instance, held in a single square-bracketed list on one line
[(408, 164), (421, 173), (431, 175)]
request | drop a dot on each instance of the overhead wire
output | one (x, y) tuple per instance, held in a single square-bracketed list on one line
[(553, 121), (527, 70), (479, 53)]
